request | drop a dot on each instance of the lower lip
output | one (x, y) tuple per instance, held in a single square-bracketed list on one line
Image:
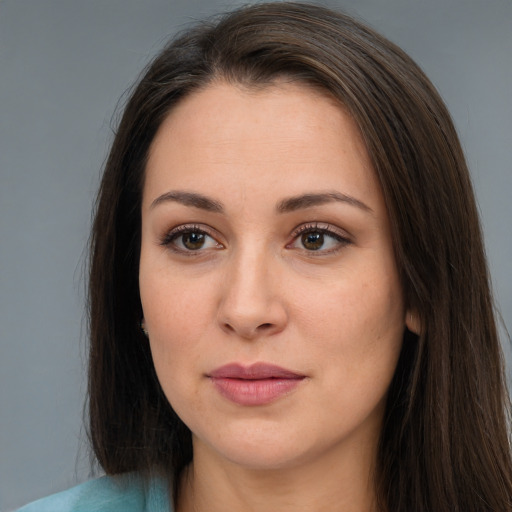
[(254, 392)]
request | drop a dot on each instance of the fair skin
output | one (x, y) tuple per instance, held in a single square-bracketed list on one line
[(234, 272)]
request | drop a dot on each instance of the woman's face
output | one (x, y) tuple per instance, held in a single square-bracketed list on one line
[(267, 277)]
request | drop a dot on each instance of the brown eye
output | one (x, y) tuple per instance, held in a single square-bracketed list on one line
[(193, 241), (189, 239), (312, 241), (319, 239)]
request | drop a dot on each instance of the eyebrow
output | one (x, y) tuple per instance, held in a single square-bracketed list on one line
[(292, 204), (287, 205), (189, 199)]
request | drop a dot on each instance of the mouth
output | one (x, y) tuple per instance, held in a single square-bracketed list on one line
[(257, 384)]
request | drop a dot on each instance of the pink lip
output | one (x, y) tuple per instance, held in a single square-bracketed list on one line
[(257, 384)]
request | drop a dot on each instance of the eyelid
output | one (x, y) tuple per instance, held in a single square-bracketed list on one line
[(335, 232), (172, 234), (343, 238), (324, 227)]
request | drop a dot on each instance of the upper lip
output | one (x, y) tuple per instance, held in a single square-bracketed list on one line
[(255, 371)]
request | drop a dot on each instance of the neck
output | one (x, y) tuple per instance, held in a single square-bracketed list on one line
[(330, 483)]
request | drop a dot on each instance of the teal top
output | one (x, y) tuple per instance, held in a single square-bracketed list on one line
[(122, 493)]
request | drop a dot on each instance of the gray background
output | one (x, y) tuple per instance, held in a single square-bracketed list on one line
[(63, 66)]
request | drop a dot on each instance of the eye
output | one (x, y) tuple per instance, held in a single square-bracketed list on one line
[(321, 238), (190, 239)]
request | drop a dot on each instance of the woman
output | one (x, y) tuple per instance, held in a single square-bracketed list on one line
[(289, 301)]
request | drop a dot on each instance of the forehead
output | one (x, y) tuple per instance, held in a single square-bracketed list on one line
[(233, 139)]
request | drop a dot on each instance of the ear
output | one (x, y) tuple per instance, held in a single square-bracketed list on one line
[(412, 321)]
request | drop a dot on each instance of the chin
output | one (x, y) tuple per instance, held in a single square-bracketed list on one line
[(265, 458), (262, 449)]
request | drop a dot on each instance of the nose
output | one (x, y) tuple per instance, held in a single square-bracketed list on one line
[(251, 303)]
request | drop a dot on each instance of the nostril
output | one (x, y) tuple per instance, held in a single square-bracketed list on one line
[(228, 327), (265, 327)]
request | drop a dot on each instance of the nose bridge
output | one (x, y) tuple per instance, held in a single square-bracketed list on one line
[(247, 289), (250, 302)]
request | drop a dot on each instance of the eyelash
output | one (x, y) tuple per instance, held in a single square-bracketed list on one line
[(324, 229), (169, 238)]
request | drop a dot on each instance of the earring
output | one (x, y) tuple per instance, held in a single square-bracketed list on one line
[(143, 328), (412, 323)]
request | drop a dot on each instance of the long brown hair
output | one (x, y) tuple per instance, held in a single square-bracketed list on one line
[(444, 444)]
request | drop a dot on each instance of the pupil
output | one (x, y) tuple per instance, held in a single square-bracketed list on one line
[(193, 240), (313, 241)]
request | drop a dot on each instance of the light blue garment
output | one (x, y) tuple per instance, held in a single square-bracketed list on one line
[(123, 493)]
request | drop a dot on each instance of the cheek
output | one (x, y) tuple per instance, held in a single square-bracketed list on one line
[(352, 306), (360, 335), (174, 305), (173, 337), (357, 325), (178, 314)]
